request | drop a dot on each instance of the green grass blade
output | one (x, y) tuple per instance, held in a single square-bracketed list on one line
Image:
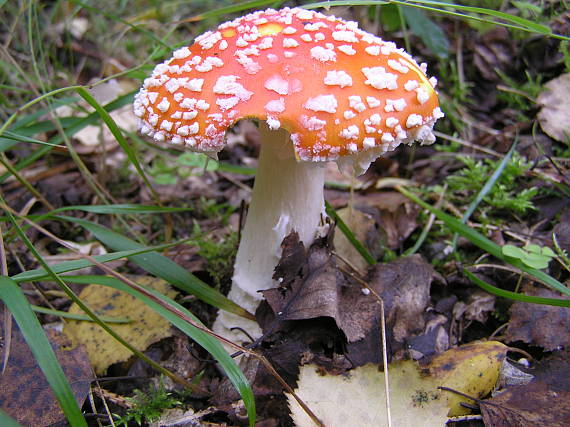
[(14, 298), (67, 266), (67, 315), (559, 302), (161, 266), (119, 209), (485, 244), (209, 343), (349, 234), (7, 421)]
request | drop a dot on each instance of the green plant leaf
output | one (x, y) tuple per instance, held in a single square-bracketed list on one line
[(209, 343), (559, 302), (485, 244), (161, 266), (7, 421), (427, 30), (14, 298)]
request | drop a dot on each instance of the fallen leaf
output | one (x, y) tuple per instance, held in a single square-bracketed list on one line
[(146, 328), (25, 393), (555, 101), (472, 369), (541, 325), (358, 398), (543, 402)]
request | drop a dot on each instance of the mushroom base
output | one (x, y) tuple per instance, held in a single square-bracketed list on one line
[(287, 195)]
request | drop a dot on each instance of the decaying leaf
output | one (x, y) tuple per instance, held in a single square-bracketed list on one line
[(472, 369), (555, 101), (147, 327), (360, 224), (25, 393), (359, 397), (541, 325), (540, 403)]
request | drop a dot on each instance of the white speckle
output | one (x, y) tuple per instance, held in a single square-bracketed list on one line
[(271, 57), (211, 130), (152, 97), (181, 53), (437, 113), (273, 123), (178, 96), (319, 37), (373, 50), (388, 48), (392, 122), (228, 85), (176, 115), (414, 120), (188, 103), (227, 103), (395, 104), (356, 103), (240, 42), (352, 147), (276, 105), (163, 105), (223, 45), (189, 115), (433, 82), (314, 26), (349, 114), (183, 131), (387, 138), (289, 42), (208, 39), (194, 128), (347, 49), (304, 14), (368, 142), (153, 119), (375, 119), (277, 84), (423, 67), (159, 136), (373, 102), (209, 63), (177, 140), (338, 78), (345, 36), (397, 66), (266, 43), (312, 123), (350, 132), (289, 30), (195, 85), (422, 95), (172, 85), (327, 103), (378, 78), (289, 54), (365, 291), (321, 54), (411, 85), (369, 129), (306, 38), (190, 142), (202, 105)]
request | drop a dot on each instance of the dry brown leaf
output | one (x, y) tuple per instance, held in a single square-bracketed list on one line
[(146, 328), (554, 117), (541, 325), (25, 393)]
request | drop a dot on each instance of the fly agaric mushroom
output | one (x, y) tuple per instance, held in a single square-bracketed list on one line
[(321, 89)]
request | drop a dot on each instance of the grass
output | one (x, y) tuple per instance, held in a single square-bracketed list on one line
[(40, 71)]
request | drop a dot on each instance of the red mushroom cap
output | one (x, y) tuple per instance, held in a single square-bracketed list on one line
[(337, 89)]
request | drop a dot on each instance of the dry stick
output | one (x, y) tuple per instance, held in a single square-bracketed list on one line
[(181, 315), (383, 329)]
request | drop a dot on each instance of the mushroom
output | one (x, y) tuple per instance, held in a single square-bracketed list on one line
[(321, 90)]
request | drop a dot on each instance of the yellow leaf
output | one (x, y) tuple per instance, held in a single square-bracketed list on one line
[(472, 369), (146, 327)]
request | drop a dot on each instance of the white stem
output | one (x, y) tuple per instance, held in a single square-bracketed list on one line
[(287, 195)]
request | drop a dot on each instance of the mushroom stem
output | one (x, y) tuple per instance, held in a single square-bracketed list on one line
[(287, 195)]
